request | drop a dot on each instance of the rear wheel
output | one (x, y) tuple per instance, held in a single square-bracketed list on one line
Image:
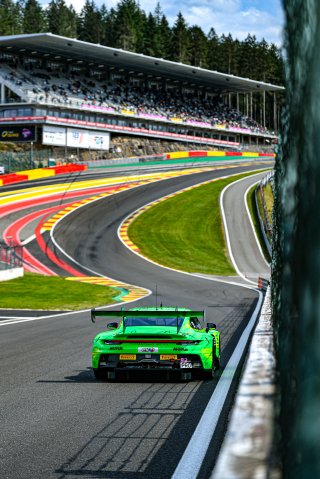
[(216, 363), (208, 373)]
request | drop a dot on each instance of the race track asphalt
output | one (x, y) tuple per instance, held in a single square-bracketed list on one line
[(249, 260), (56, 420)]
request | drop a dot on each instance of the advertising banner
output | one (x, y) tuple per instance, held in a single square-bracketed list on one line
[(75, 138), (53, 135), (89, 139), (99, 140), (18, 133)]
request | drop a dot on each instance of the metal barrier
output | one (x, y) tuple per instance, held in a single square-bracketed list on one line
[(11, 256), (24, 160)]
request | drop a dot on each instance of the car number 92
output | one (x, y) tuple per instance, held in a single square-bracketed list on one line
[(184, 363)]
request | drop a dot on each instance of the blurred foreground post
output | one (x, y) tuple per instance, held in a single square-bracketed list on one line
[(296, 261)]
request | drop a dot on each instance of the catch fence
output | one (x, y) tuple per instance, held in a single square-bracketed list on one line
[(11, 256)]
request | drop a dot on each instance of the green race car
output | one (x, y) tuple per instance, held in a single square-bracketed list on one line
[(158, 339)]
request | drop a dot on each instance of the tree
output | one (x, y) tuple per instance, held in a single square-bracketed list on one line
[(249, 57), (165, 36), (213, 51), (180, 40), (198, 47), (62, 20), (151, 37), (229, 54), (104, 15), (90, 27), (10, 18), (33, 17), (126, 34)]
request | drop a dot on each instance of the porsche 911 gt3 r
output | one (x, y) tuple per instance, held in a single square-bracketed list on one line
[(158, 339)]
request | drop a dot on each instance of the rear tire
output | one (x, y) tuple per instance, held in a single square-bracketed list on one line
[(216, 363), (208, 374)]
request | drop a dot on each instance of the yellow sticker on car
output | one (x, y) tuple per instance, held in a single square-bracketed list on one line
[(168, 356), (128, 356)]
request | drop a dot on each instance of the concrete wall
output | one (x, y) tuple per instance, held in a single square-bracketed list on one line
[(13, 273)]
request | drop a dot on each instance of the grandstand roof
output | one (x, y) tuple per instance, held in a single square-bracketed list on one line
[(69, 48)]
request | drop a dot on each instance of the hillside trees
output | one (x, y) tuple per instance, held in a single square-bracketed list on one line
[(90, 23), (33, 17), (62, 20), (180, 41), (10, 17)]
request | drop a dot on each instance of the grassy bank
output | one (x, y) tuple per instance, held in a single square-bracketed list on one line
[(255, 218), (186, 232), (34, 291)]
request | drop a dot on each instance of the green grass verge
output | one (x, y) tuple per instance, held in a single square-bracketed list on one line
[(268, 197), (255, 219), (186, 232), (34, 291)]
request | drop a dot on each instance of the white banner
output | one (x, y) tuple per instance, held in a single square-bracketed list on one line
[(94, 140), (75, 138), (99, 140), (53, 135)]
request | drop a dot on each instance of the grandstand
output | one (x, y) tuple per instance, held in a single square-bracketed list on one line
[(73, 96)]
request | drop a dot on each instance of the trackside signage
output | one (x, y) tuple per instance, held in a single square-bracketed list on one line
[(20, 134), (75, 138)]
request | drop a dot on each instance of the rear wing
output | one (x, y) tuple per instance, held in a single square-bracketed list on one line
[(159, 313)]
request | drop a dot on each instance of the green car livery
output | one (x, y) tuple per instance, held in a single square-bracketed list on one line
[(158, 339)]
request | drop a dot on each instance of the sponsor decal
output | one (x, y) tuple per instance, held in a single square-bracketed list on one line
[(180, 349), (116, 349), (168, 356), (26, 133), (147, 350), (130, 357)]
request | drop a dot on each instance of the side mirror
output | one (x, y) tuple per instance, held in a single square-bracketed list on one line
[(112, 325), (211, 326)]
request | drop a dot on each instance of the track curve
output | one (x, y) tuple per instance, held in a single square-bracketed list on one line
[(56, 421)]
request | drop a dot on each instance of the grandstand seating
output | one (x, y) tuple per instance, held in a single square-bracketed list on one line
[(46, 86)]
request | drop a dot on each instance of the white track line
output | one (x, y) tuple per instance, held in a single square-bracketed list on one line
[(192, 459), (227, 231), (24, 319), (190, 463), (149, 292), (218, 280)]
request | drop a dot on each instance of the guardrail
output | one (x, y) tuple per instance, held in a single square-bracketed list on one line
[(179, 156), (248, 447), (11, 256)]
